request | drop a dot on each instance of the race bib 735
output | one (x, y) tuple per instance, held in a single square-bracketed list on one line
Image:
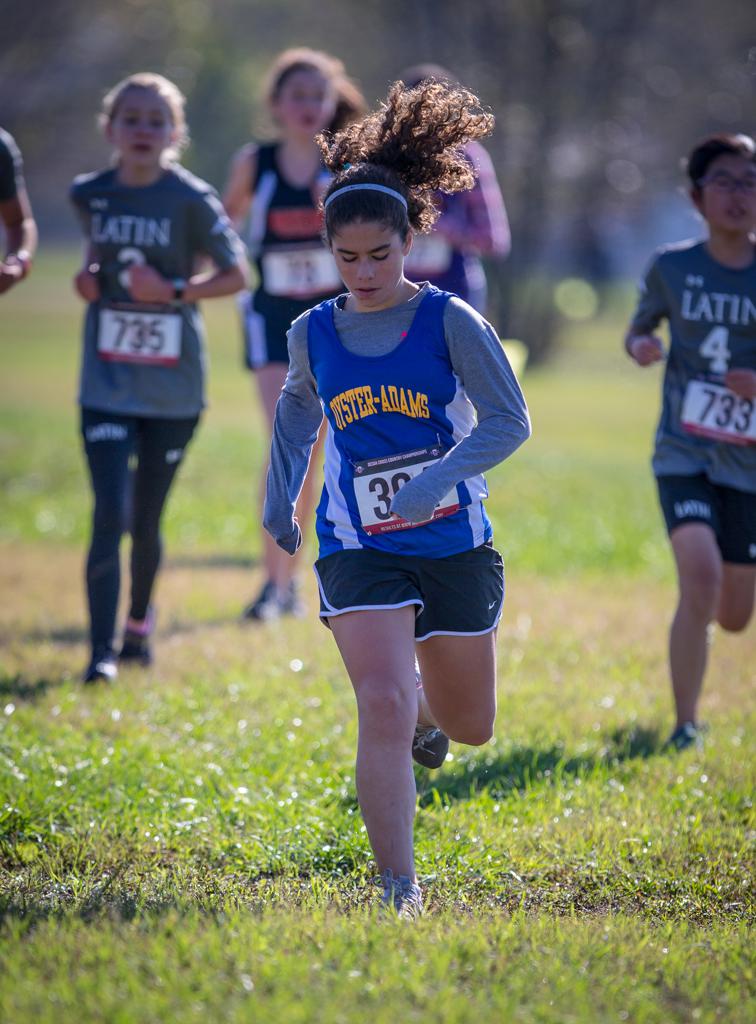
[(143, 334)]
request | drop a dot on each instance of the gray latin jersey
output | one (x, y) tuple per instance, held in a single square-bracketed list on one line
[(141, 359), (711, 311), (11, 167)]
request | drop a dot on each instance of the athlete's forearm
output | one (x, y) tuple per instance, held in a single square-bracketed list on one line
[(492, 441), (216, 284), (503, 421), (20, 227), (295, 430)]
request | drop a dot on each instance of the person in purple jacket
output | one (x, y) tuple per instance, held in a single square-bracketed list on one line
[(471, 225)]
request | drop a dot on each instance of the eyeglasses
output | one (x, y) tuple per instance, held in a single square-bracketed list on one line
[(727, 184)]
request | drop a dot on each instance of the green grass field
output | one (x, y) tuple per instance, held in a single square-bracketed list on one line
[(186, 846)]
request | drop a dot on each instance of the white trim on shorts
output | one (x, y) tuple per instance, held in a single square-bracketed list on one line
[(255, 335), (451, 632), (333, 611)]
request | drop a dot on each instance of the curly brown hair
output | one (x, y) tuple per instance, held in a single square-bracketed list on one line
[(413, 143)]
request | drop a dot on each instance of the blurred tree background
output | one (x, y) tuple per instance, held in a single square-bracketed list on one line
[(596, 103)]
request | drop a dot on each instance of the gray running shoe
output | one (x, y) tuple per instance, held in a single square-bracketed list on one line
[(430, 746), (290, 600), (685, 736), (401, 896)]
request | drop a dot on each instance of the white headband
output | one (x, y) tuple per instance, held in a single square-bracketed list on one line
[(367, 185)]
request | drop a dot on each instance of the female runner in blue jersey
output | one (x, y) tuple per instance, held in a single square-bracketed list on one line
[(277, 187), (148, 224), (419, 400), (705, 454)]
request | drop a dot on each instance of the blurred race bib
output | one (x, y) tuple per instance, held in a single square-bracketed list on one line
[(429, 256), (147, 335), (300, 273), (712, 410), (376, 481)]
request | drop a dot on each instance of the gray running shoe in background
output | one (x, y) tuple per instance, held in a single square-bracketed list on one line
[(401, 896), (686, 735)]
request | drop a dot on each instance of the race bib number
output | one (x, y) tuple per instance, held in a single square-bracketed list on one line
[(714, 411), (139, 335), (376, 481), (429, 256), (300, 273)]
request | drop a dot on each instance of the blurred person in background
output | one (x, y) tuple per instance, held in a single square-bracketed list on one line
[(471, 225), (705, 454), (148, 225), (16, 216), (276, 187)]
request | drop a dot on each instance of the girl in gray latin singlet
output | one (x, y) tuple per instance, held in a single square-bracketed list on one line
[(147, 224), (705, 454), (277, 188)]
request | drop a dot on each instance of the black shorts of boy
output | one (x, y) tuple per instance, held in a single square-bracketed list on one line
[(460, 595), (729, 512)]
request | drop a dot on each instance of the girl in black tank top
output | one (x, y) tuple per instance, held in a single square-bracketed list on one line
[(276, 188)]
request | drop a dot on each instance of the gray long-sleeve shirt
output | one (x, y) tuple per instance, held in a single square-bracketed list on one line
[(478, 360)]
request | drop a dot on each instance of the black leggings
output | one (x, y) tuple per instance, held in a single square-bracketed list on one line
[(132, 462)]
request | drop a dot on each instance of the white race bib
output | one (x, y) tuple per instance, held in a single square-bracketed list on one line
[(714, 411), (429, 256), (300, 273), (376, 481), (139, 335)]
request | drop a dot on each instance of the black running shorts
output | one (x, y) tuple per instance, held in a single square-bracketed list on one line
[(460, 595), (730, 513)]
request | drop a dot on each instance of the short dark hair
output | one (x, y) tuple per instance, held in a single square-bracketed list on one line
[(707, 151)]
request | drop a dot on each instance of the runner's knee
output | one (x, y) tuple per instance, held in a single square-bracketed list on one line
[(700, 588), (385, 706), (735, 620)]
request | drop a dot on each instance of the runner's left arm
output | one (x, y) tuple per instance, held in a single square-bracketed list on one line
[(641, 344), (476, 220), (211, 235), (295, 430), (16, 216), (503, 421)]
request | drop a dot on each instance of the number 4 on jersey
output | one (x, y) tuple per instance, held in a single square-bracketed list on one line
[(715, 347)]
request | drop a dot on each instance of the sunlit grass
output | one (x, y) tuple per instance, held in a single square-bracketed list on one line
[(186, 844)]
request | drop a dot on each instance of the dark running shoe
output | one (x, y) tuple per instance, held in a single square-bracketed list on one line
[(430, 746), (102, 668), (266, 606), (135, 648), (685, 736)]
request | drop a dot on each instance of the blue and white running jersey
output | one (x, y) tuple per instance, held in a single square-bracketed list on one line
[(388, 417)]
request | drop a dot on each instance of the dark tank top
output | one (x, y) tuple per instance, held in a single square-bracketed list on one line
[(284, 235)]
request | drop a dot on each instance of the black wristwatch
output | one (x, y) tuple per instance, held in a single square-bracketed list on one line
[(179, 287)]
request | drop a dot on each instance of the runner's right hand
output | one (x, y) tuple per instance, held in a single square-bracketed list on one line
[(645, 349), (87, 285)]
